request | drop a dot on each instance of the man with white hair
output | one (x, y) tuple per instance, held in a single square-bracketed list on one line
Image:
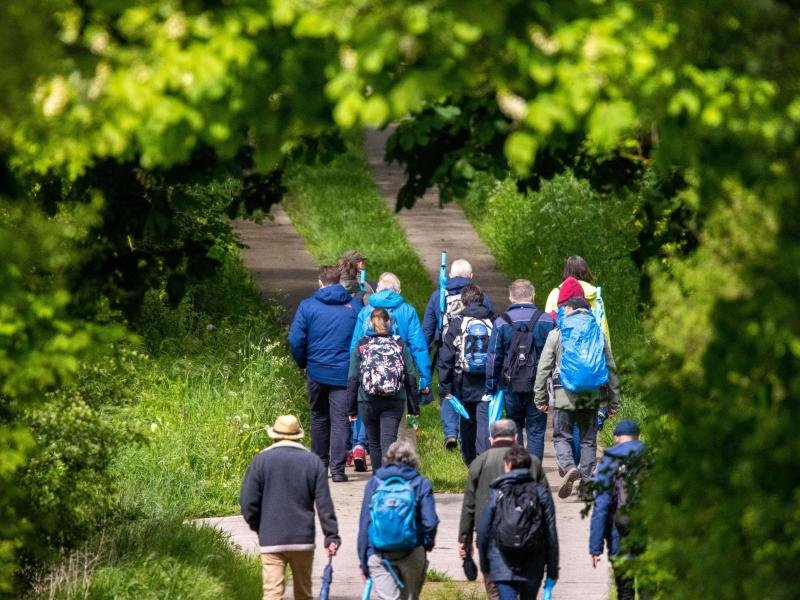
[(460, 275)]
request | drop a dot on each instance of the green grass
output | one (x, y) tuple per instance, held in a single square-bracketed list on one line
[(204, 400), (336, 207), (154, 560), (453, 590)]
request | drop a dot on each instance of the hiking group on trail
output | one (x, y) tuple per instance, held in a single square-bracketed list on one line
[(368, 359)]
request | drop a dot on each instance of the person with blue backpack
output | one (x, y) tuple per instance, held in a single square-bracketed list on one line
[(397, 525), (444, 304), (462, 369), (518, 338), (577, 358), (381, 382)]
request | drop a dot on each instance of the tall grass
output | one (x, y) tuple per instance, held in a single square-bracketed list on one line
[(335, 207), (204, 401)]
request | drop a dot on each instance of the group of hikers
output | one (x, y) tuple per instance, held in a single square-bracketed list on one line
[(368, 361)]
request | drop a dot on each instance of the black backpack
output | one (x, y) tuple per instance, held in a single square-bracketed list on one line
[(519, 518), (519, 366)]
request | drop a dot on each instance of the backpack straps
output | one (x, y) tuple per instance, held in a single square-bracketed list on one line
[(537, 314), (506, 318)]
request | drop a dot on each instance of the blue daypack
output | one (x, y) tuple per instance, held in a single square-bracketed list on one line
[(474, 344), (393, 516), (583, 360)]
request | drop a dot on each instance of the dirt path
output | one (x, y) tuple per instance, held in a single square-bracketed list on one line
[(277, 259), (430, 229)]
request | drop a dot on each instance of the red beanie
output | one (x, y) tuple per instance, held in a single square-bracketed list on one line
[(570, 288)]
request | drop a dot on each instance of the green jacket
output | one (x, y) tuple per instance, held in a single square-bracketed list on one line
[(564, 399), (487, 467)]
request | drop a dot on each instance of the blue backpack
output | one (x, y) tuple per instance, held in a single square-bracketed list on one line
[(474, 344), (583, 360), (393, 516)]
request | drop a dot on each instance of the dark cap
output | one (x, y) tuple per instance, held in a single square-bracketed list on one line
[(353, 256), (626, 427)]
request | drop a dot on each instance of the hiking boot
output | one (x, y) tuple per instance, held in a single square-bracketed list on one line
[(360, 459), (569, 480), (349, 460), (339, 478), (450, 443)]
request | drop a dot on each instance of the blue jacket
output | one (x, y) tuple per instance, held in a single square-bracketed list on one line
[(406, 326), (319, 337), (501, 338), (427, 519), (531, 568), (430, 320), (602, 528)]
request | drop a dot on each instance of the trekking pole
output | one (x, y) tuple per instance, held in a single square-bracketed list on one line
[(367, 589), (362, 280), (393, 573), (442, 288)]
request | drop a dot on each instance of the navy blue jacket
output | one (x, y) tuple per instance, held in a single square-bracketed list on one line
[(467, 387), (430, 320), (319, 337), (602, 527), (427, 519), (531, 568), (405, 325), (501, 338)]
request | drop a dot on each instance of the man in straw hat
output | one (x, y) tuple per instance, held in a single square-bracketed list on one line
[(280, 489)]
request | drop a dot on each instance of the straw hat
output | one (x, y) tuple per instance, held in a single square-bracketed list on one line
[(286, 427)]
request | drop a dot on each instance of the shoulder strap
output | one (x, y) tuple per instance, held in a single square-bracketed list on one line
[(537, 314), (506, 318)]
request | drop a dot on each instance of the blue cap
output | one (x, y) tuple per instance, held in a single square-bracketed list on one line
[(626, 427)]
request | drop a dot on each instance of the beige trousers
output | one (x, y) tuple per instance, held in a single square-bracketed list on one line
[(273, 574)]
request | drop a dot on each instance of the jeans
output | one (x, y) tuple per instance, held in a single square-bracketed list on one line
[(475, 431), (450, 419), (330, 428), (563, 422), (382, 420), (273, 574), (576, 443), (358, 434), (513, 590), (521, 409), (410, 568)]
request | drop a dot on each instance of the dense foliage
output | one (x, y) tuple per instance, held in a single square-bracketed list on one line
[(709, 92)]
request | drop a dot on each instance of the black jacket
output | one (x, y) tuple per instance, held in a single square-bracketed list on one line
[(492, 559), (467, 387), (279, 492)]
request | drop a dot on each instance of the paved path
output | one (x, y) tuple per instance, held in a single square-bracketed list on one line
[(279, 262), (431, 228)]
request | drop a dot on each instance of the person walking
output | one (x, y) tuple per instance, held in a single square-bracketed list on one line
[(517, 535), (397, 525), (487, 467), (381, 371), (319, 340), (460, 275), (610, 520), (517, 341), (281, 488), (575, 266), (462, 369), (574, 407)]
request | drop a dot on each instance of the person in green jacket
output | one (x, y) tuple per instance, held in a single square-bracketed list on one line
[(487, 467), (381, 381), (570, 407)]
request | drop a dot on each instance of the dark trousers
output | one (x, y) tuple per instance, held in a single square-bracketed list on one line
[(518, 590), (474, 431), (382, 420), (330, 428), (521, 409)]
